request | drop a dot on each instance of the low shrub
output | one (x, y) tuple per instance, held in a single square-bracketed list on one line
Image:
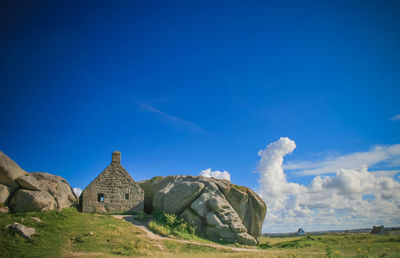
[(141, 216), (169, 224)]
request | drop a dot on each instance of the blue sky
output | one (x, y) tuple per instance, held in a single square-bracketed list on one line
[(180, 87)]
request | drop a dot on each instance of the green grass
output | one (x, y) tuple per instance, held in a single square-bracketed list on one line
[(337, 245), (188, 248), (170, 226), (68, 231)]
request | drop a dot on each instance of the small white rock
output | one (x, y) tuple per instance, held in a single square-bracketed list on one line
[(36, 219)]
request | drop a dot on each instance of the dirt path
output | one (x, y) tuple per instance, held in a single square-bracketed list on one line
[(151, 235)]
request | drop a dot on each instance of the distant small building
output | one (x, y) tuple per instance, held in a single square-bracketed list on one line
[(114, 190), (301, 232), (379, 230)]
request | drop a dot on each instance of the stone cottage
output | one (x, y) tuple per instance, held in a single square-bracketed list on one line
[(114, 190)]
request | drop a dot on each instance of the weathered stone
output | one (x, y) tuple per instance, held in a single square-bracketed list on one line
[(255, 214), (5, 192), (158, 200), (114, 190), (246, 239), (219, 234), (238, 199), (219, 209), (181, 195), (29, 182), (213, 221), (4, 209), (193, 219), (24, 231), (27, 200), (226, 213), (58, 188), (225, 233), (52, 192), (210, 233), (9, 171), (200, 204)]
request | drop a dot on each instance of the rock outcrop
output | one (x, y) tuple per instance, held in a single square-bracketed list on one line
[(5, 192), (24, 231), (9, 171), (220, 210), (36, 191)]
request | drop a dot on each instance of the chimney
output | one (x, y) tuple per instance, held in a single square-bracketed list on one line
[(116, 157)]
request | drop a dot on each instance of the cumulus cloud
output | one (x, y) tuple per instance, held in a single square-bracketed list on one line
[(273, 183), (216, 174), (77, 191), (349, 199), (395, 118)]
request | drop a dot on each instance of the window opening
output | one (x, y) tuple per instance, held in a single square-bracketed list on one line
[(127, 196), (100, 197)]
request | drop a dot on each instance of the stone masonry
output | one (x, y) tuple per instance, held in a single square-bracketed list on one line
[(114, 190)]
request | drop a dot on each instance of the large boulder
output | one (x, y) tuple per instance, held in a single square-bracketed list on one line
[(5, 192), (36, 191), (41, 192), (220, 210), (27, 200), (9, 171), (29, 182), (179, 196), (64, 196)]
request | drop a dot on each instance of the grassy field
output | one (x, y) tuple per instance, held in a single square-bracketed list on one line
[(336, 245), (69, 233)]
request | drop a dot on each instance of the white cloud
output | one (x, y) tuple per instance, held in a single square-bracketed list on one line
[(216, 174), (329, 202), (77, 191), (387, 173), (388, 155), (273, 183), (176, 120), (395, 118)]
